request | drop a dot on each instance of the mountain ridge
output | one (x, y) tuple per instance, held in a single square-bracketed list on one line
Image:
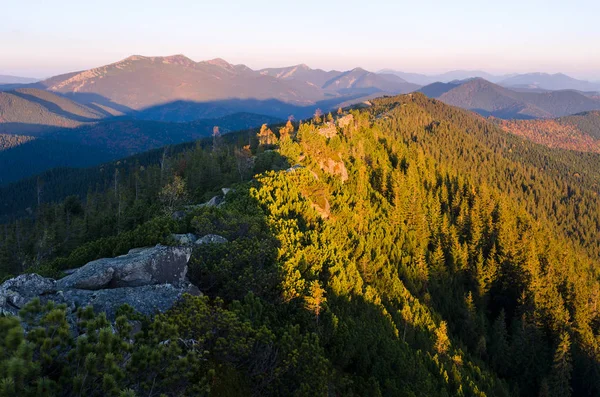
[(490, 99), (179, 78)]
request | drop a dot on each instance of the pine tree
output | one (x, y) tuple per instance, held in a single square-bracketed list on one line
[(266, 136), (499, 348), (315, 299), (173, 194), (560, 377), (442, 342)]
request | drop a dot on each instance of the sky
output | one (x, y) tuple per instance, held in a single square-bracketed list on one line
[(41, 38)]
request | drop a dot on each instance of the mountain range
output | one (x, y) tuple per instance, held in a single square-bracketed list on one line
[(490, 99), (179, 89), (558, 81), (140, 83), (424, 79), (139, 103), (524, 81)]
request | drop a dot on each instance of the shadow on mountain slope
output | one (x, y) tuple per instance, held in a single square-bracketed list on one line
[(53, 107), (99, 103), (182, 111)]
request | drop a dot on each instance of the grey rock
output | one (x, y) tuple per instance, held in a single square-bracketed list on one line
[(214, 202), (151, 280), (211, 239), (294, 168), (16, 292), (137, 250), (226, 190), (178, 215), (149, 266), (184, 239), (147, 299)]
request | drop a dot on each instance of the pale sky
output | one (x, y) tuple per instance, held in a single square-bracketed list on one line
[(40, 38)]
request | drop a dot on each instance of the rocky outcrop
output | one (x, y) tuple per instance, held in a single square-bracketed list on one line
[(147, 299), (213, 202), (294, 168), (328, 130), (16, 292), (211, 239), (149, 279), (216, 201), (149, 266), (345, 121), (184, 239), (333, 167)]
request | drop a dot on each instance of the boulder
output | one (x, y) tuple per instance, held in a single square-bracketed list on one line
[(147, 299), (294, 168), (137, 250), (328, 130), (178, 215), (148, 266), (184, 239), (214, 202), (211, 239), (16, 292), (149, 279), (345, 120)]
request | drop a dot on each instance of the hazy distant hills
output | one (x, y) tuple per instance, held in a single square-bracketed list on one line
[(357, 80), (315, 77), (361, 80), (491, 99), (547, 81), (577, 132), (423, 79), (522, 82), (4, 79)]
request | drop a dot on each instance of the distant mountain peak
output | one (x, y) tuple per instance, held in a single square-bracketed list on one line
[(478, 82), (179, 59), (134, 58), (220, 62)]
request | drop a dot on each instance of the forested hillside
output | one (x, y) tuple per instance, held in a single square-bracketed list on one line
[(577, 132), (409, 248), (35, 112), (9, 141)]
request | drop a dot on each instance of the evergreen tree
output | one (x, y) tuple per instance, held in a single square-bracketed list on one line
[(560, 377)]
